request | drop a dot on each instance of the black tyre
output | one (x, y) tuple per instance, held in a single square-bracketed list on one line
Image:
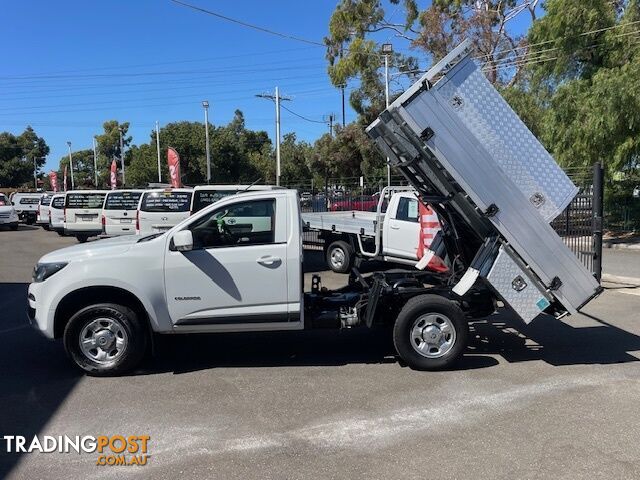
[(60, 232), (340, 257), (430, 333), (82, 238), (45, 227), (14, 226), (105, 339)]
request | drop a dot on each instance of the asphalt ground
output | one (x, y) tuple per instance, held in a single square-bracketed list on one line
[(554, 399)]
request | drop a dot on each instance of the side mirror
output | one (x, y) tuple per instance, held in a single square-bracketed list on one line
[(183, 241)]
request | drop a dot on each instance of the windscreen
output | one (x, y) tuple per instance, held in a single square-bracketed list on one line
[(57, 202), (204, 198), (46, 200), (166, 202), (3, 200), (29, 200), (122, 201), (84, 200)]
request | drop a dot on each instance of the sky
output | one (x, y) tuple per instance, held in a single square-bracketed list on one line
[(70, 65)]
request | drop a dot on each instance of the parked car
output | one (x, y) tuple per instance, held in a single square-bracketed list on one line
[(26, 205), (8, 215), (365, 203), (305, 199), (119, 212), (205, 195), (161, 209), (42, 217), (56, 213), (82, 211)]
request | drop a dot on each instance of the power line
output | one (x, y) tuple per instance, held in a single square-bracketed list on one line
[(302, 117), (249, 25)]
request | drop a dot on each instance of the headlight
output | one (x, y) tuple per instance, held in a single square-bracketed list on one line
[(42, 271)]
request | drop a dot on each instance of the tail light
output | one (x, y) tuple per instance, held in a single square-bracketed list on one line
[(137, 221), (65, 215), (104, 224)]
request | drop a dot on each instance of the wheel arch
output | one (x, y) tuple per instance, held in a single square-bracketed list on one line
[(83, 297)]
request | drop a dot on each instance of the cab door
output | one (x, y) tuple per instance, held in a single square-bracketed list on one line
[(236, 273), (401, 233)]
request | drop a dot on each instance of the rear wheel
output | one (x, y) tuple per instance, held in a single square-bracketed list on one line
[(82, 238), (105, 339), (45, 227), (60, 232), (340, 257), (430, 333), (14, 226)]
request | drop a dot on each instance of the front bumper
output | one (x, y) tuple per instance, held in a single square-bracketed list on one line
[(39, 316)]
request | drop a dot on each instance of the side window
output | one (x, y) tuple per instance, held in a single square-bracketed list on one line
[(408, 210), (245, 223)]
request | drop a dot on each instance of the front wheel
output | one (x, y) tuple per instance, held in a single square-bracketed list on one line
[(105, 339), (430, 333)]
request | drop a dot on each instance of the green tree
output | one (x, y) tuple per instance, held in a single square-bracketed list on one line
[(82, 170), (431, 31), (17, 154)]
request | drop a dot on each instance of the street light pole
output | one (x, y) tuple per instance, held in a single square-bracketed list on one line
[(158, 148), (387, 48), (95, 163), (122, 155), (71, 166), (205, 104)]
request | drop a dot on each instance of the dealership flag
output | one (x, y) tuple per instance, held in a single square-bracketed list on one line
[(53, 180), (114, 175), (64, 179), (173, 160)]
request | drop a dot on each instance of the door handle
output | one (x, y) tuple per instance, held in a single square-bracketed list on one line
[(394, 227), (268, 260)]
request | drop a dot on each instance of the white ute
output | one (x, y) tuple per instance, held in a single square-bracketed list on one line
[(390, 233), (8, 215), (236, 265)]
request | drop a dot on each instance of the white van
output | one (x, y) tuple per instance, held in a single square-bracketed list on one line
[(42, 217), (119, 212), (56, 213), (82, 211), (205, 195), (161, 209)]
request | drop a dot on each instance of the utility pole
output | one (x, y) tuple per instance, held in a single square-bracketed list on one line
[(387, 48), (205, 104), (122, 154), (342, 87), (276, 98), (158, 148), (95, 163), (330, 120), (35, 173), (71, 165)]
